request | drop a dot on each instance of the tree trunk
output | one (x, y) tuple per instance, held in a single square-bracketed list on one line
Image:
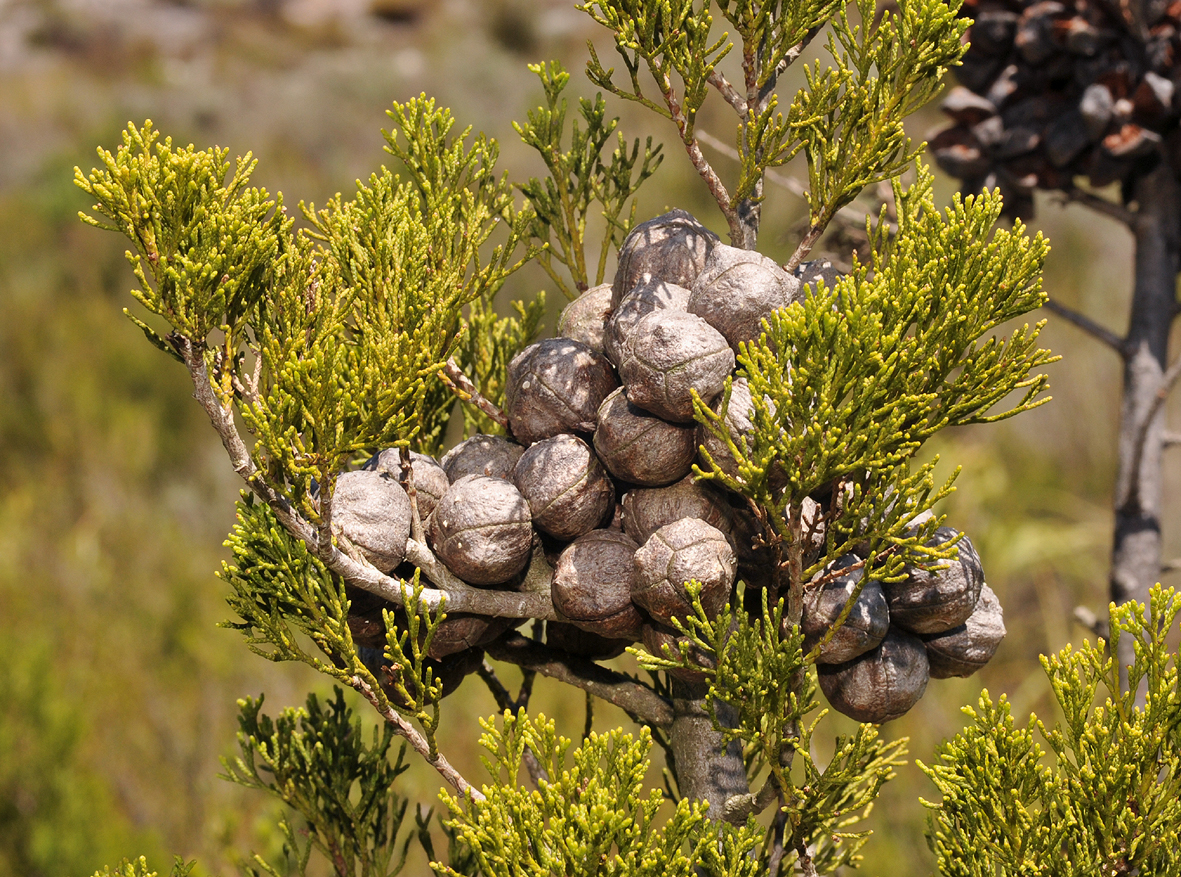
[(703, 768), (1136, 552)]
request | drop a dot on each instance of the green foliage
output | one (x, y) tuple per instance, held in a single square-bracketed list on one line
[(848, 118), (280, 590), (202, 245), (847, 385), (139, 868), (590, 817), (578, 179), (746, 662), (1104, 798), (456, 180), (315, 760)]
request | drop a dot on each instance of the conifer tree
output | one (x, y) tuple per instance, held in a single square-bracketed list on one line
[(312, 351)]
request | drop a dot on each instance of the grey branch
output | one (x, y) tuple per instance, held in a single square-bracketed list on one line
[(419, 743), (1166, 385), (635, 699), (458, 596), (1112, 340), (739, 807)]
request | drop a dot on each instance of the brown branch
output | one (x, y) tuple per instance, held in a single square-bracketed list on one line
[(719, 81), (458, 596), (419, 743), (1115, 342), (704, 169), (461, 385), (637, 700)]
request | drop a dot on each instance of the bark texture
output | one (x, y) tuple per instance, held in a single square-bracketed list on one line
[(1136, 550), (705, 769)]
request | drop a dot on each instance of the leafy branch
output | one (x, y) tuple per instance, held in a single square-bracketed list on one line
[(1104, 797), (578, 178), (758, 668), (315, 760)]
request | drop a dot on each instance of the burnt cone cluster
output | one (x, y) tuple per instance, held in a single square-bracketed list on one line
[(937, 622), (595, 477), (1050, 91)]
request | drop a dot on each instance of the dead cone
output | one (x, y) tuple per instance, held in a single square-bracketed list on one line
[(672, 247)]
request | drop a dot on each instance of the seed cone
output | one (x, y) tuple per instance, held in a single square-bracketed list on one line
[(646, 510), (738, 289), (650, 295), (668, 355), (657, 637), (490, 455), (482, 530), (880, 685), (688, 549), (556, 386), (585, 318), (372, 511), (639, 447), (430, 478), (574, 640), (591, 585), (673, 247), (868, 620), (934, 601), (567, 488), (963, 650)]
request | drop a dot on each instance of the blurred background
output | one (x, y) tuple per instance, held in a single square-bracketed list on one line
[(117, 690)]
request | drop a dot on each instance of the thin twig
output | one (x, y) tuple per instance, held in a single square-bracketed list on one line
[(1169, 438), (790, 58), (805, 246), (719, 81), (807, 867), (777, 827), (505, 703), (1115, 342), (704, 169), (790, 183), (461, 385), (1099, 204), (419, 743), (416, 531), (637, 700), (1091, 622)]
